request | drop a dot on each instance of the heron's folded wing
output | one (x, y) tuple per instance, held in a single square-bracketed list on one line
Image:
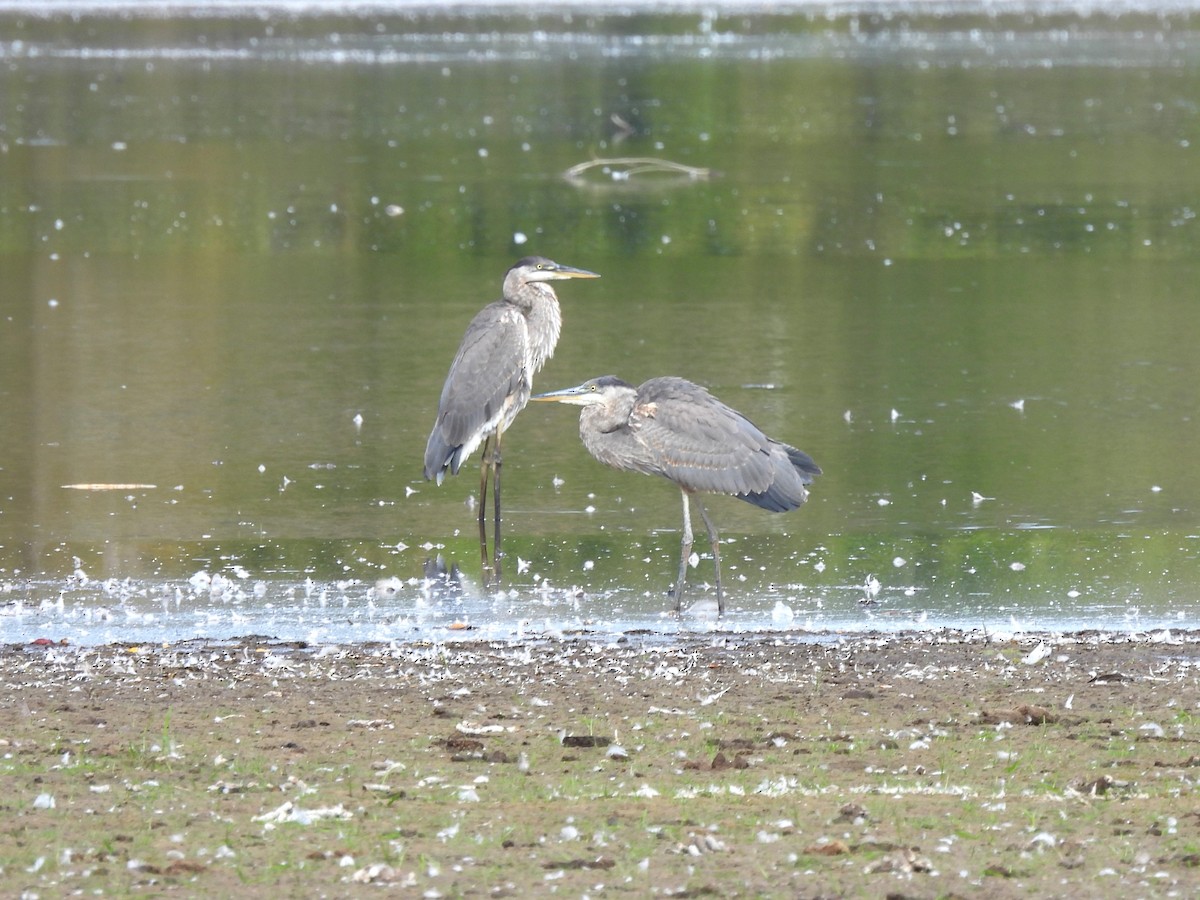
[(699, 442), (488, 369)]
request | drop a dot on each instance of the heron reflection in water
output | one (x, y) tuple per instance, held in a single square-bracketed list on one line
[(491, 378), (674, 428)]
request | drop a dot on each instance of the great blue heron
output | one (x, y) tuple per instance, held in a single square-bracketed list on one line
[(677, 429), (492, 376)]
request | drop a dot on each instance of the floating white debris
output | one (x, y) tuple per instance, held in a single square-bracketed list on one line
[(1018, 405), (895, 414), (1017, 566), (977, 498), (703, 607), (115, 486), (848, 417), (357, 420), (884, 501), (899, 562), (519, 237), (388, 587), (394, 209)]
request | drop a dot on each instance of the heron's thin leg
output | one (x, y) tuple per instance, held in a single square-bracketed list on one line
[(484, 465), (716, 549), (685, 550), (496, 500)]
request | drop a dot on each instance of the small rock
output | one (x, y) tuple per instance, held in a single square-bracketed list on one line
[(585, 740)]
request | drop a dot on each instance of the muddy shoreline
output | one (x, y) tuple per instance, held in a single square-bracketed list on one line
[(787, 764)]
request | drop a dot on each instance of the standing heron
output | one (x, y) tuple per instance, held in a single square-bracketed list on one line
[(492, 376), (676, 429)]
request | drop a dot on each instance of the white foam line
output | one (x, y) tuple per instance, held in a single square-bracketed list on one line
[(823, 9)]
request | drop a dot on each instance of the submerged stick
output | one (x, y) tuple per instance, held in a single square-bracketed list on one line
[(638, 165)]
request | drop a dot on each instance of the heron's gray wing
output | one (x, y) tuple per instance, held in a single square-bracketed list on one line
[(486, 386), (698, 442)]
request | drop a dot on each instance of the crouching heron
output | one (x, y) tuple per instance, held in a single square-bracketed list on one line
[(491, 378), (677, 429)]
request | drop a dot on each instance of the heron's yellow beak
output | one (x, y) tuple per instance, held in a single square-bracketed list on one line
[(570, 272), (576, 396)]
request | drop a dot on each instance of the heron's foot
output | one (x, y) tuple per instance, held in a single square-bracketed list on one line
[(676, 591)]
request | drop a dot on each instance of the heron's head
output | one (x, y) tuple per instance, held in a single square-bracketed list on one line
[(538, 268), (593, 392)]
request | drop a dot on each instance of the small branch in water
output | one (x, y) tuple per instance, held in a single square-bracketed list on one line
[(625, 167)]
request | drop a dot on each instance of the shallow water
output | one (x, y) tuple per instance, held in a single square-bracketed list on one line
[(952, 257)]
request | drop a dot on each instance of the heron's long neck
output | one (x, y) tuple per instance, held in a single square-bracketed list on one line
[(602, 428), (605, 418), (545, 323)]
